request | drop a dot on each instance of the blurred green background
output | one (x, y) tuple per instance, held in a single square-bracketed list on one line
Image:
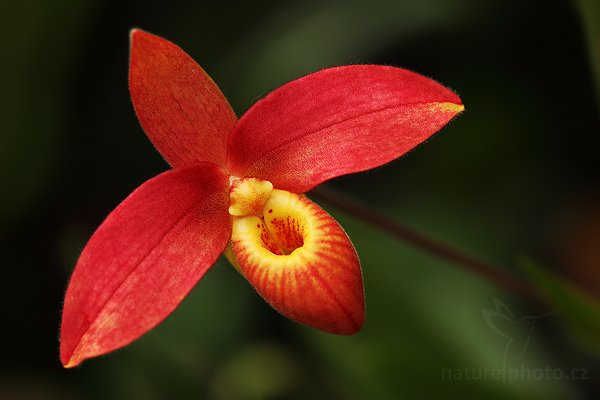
[(516, 175)]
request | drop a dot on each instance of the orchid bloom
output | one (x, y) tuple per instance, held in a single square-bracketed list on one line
[(236, 187)]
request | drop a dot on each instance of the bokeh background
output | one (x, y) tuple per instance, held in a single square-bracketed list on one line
[(516, 175)]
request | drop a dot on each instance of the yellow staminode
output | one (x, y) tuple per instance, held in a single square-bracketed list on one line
[(248, 196)]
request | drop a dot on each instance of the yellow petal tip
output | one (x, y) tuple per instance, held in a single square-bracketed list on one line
[(453, 107)]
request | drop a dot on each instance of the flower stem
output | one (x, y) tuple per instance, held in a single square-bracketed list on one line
[(489, 272)]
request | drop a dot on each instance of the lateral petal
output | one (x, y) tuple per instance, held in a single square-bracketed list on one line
[(337, 121), (181, 109), (302, 263), (144, 259)]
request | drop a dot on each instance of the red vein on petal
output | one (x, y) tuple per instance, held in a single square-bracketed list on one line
[(315, 273), (283, 286)]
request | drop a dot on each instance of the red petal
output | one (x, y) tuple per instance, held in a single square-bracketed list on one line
[(337, 121), (302, 263), (181, 109), (144, 259)]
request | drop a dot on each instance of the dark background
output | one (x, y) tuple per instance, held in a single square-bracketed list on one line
[(516, 175)]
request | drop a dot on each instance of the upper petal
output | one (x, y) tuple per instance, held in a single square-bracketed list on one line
[(337, 121), (181, 109), (144, 259)]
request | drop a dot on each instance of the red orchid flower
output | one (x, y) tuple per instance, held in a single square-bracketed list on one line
[(235, 187)]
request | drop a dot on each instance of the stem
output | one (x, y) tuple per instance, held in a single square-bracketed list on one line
[(487, 271)]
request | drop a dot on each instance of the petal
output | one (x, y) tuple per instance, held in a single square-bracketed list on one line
[(302, 263), (335, 122), (144, 259), (181, 109)]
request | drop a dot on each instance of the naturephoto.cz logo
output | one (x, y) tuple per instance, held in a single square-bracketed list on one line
[(517, 333), (510, 375)]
